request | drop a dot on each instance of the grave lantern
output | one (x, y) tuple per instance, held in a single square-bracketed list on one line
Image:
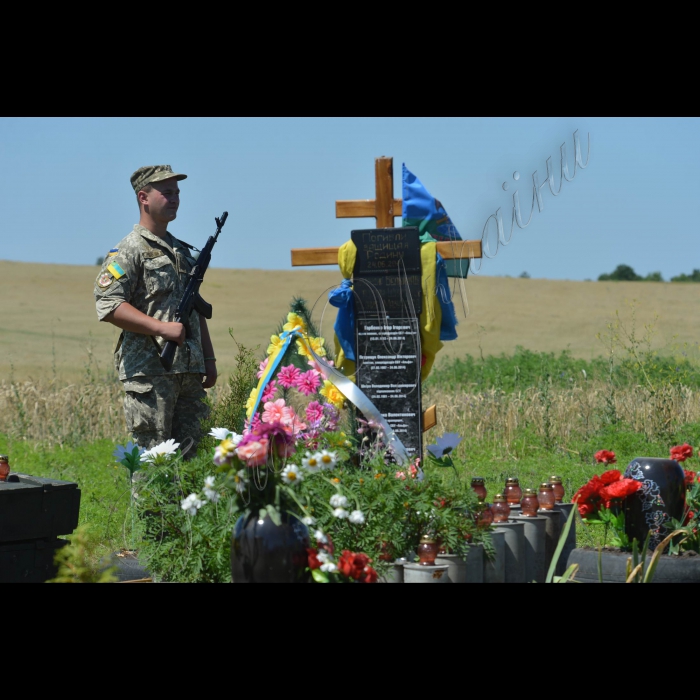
[(427, 551), (529, 503), (545, 496), (512, 491), (479, 488), (558, 488), (500, 509)]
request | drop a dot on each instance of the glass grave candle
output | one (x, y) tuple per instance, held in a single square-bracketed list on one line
[(479, 488), (512, 491), (427, 551), (500, 509), (545, 496), (555, 481), (4, 467), (484, 516), (529, 504)]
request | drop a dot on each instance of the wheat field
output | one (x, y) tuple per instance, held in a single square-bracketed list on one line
[(48, 324)]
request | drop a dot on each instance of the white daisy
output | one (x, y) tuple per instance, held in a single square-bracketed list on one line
[(165, 450), (220, 433), (240, 480), (328, 459), (329, 567), (209, 482), (312, 462), (192, 504), (340, 513), (292, 474), (357, 517), (338, 501)]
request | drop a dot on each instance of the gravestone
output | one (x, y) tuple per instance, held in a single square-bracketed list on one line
[(34, 511), (387, 284), (384, 208)]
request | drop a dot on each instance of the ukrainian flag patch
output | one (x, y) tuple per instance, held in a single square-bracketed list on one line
[(113, 251), (116, 270)]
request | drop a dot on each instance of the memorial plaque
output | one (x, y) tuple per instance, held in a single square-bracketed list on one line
[(387, 268), (388, 372)]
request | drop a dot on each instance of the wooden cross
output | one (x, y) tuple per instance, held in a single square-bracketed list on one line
[(384, 208)]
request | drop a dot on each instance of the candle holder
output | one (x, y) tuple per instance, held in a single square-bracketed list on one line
[(545, 496), (484, 516), (529, 504), (512, 491), (479, 488), (4, 467), (500, 509), (427, 551), (555, 481)]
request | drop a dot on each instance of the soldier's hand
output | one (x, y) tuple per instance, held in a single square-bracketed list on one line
[(209, 379), (173, 331)]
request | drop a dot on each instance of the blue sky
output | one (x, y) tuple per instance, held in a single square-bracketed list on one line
[(65, 195)]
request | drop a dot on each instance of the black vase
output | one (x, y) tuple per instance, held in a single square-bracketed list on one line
[(262, 552), (661, 498)]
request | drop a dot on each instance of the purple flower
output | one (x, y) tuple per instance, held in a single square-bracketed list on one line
[(444, 445), (331, 413), (288, 376)]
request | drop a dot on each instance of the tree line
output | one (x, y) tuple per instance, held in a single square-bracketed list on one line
[(625, 273)]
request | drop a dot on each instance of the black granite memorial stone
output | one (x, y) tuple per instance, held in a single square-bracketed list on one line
[(388, 372), (387, 274), (387, 284)]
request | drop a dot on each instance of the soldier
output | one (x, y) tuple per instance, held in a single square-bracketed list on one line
[(138, 289)]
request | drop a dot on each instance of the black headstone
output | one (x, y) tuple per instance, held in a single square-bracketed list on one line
[(388, 302), (387, 275)]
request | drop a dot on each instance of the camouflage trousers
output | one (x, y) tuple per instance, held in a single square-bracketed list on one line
[(161, 407)]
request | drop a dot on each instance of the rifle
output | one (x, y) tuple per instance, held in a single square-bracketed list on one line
[(191, 299)]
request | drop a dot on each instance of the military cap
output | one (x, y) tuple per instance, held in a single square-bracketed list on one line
[(153, 173)]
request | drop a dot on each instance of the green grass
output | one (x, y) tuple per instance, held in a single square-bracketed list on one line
[(531, 454), (529, 368)]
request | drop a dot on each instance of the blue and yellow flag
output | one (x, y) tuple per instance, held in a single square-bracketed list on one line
[(422, 210)]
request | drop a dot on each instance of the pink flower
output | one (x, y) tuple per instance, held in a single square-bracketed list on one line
[(314, 412), (288, 376), (253, 453), (308, 382), (400, 475), (316, 366), (292, 421), (274, 411), (270, 391), (263, 367), (278, 437)]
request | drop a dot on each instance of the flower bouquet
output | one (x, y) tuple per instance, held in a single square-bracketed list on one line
[(600, 500)]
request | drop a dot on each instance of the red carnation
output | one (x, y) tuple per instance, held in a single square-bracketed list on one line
[(586, 509), (314, 563), (689, 477), (688, 517), (605, 456), (352, 565), (620, 489), (610, 476), (370, 575), (681, 452)]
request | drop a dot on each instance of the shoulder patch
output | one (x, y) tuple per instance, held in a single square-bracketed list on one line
[(105, 280), (116, 270), (113, 251)]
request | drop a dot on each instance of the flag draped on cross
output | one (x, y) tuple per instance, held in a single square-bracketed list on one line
[(422, 210)]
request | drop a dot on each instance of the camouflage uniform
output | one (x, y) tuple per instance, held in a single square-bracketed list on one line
[(151, 274)]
